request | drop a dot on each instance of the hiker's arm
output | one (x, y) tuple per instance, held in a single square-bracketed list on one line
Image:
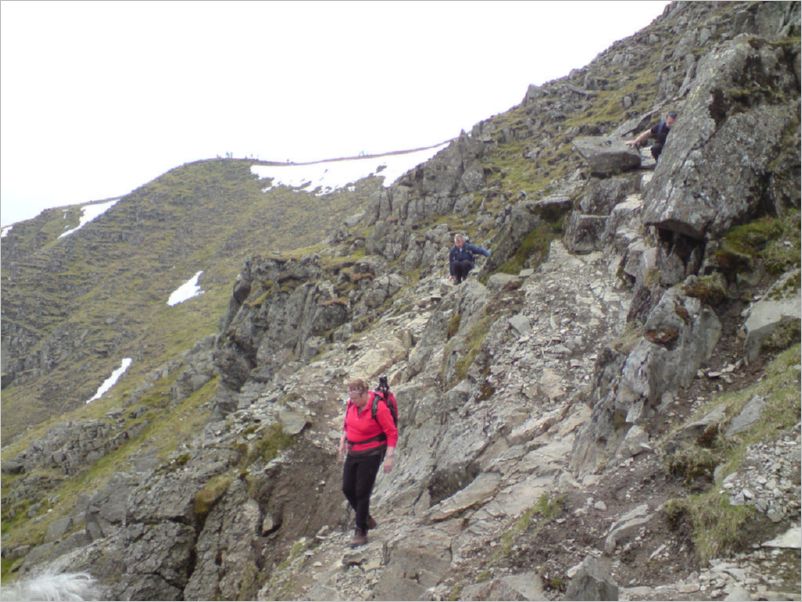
[(478, 249), (642, 137), (451, 262), (385, 420), (389, 459), (341, 450)]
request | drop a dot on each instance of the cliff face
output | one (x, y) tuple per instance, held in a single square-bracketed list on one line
[(608, 407)]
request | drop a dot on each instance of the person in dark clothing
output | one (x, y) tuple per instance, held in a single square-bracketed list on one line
[(659, 132), (366, 442), (461, 258)]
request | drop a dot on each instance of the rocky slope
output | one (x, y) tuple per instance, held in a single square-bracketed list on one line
[(608, 408)]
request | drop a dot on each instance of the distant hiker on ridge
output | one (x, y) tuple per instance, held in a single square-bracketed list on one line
[(461, 259), (367, 437), (659, 132)]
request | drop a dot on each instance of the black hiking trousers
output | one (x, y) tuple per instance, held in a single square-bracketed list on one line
[(657, 150), (461, 269), (359, 475)]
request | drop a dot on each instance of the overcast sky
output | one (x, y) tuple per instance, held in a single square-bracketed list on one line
[(99, 98)]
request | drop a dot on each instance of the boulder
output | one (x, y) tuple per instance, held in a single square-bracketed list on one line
[(553, 208), (728, 143), (791, 539), (520, 323), (593, 581), (623, 225), (292, 423), (635, 442), (584, 232), (479, 491), (779, 308), (601, 195), (625, 527), (501, 281), (748, 416), (680, 333), (158, 561), (106, 510), (415, 563), (522, 586), (377, 360), (690, 433), (607, 156)]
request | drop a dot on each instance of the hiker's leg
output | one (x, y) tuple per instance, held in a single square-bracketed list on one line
[(349, 480), (462, 268), (656, 150), (366, 477)]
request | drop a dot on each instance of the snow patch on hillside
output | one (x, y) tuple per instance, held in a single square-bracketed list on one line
[(111, 380), (326, 177), (90, 212), (186, 291)]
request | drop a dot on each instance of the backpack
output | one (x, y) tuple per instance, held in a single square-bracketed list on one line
[(383, 393)]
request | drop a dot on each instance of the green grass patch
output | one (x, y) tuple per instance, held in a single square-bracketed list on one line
[(213, 490), (693, 463), (546, 509), (719, 527), (453, 324), (473, 345), (455, 593), (534, 249), (272, 441), (774, 242)]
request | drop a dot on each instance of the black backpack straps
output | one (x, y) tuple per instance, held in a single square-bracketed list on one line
[(374, 406)]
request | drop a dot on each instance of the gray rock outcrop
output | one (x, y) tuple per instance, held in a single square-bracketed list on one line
[(777, 314), (607, 156), (741, 107)]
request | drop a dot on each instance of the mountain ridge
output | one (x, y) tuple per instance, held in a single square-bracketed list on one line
[(545, 446)]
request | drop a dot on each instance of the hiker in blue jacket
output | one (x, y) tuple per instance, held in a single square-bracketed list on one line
[(659, 132), (461, 258)]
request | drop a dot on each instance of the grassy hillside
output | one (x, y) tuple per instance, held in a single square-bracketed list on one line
[(74, 307)]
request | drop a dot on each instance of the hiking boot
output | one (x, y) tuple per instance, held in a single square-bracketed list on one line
[(360, 538), (372, 524)]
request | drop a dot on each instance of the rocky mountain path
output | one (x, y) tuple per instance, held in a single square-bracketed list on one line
[(542, 360), (472, 543)]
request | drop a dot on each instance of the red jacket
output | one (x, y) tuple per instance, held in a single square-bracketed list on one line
[(360, 426)]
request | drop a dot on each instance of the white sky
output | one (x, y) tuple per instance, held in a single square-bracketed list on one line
[(98, 98)]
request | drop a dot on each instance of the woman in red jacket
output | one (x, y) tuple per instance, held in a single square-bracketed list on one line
[(365, 442)]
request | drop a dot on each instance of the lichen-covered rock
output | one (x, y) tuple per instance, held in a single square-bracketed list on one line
[(728, 142), (226, 564)]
